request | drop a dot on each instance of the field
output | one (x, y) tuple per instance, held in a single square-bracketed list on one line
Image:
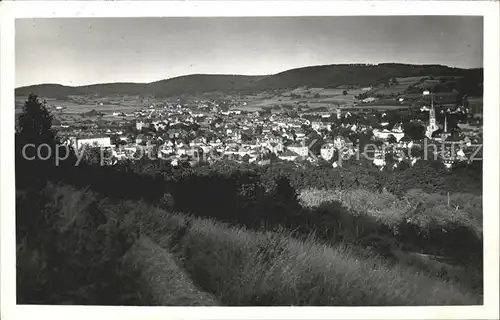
[(73, 111), (278, 100), (73, 108), (309, 98)]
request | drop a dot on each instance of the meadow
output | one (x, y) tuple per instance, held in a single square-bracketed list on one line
[(75, 107), (304, 97), (312, 98)]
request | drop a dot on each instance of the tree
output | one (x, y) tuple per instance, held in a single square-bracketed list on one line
[(245, 137), (392, 139), (285, 194), (258, 130), (95, 155), (344, 92), (414, 130), (152, 128), (38, 151), (36, 122), (246, 158)]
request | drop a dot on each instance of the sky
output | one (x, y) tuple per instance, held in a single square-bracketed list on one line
[(79, 51)]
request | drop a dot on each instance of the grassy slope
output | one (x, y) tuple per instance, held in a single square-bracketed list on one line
[(243, 267), (240, 266), (164, 282)]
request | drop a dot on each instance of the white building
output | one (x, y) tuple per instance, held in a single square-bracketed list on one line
[(370, 99), (275, 147), (300, 135), (288, 155), (327, 151), (301, 150), (432, 127), (339, 142), (104, 142), (379, 158), (384, 134), (317, 125), (139, 125)]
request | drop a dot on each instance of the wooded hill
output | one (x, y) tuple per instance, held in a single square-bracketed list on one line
[(325, 76)]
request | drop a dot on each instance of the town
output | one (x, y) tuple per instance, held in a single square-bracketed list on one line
[(204, 131)]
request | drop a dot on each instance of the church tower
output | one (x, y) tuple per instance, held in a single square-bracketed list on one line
[(445, 133), (432, 120)]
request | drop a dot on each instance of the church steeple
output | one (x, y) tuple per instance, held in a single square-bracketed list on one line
[(432, 120)]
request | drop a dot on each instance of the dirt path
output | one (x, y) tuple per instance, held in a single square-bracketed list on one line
[(165, 283)]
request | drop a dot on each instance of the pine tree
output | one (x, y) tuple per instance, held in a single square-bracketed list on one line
[(37, 150), (36, 122)]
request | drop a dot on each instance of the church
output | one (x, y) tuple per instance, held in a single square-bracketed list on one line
[(432, 127)]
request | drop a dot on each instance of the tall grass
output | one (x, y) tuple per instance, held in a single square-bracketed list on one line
[(164, 283), (90, 235), (245, 267)]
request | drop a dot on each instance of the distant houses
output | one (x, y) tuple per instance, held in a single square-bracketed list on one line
[(97, 141), (259, 138)]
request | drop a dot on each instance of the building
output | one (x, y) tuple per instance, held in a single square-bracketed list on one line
[(327, 151), (139, 125), (301, 150), (103, 142), (370, 99), (139, 139), (317, 125), (445, 134), (275, 147), (159, 125), (432, 127), (288, 156), (339, 142), (385, 134), (379, 158)]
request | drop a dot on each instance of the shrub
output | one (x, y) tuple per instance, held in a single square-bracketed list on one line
[(418, 220), (80, 241)]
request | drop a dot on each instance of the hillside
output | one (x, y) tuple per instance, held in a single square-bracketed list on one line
[(197, 83), (134, 253), (326, 76)]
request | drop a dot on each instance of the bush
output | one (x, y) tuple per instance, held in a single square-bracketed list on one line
[(418, 220), (79, 244)]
